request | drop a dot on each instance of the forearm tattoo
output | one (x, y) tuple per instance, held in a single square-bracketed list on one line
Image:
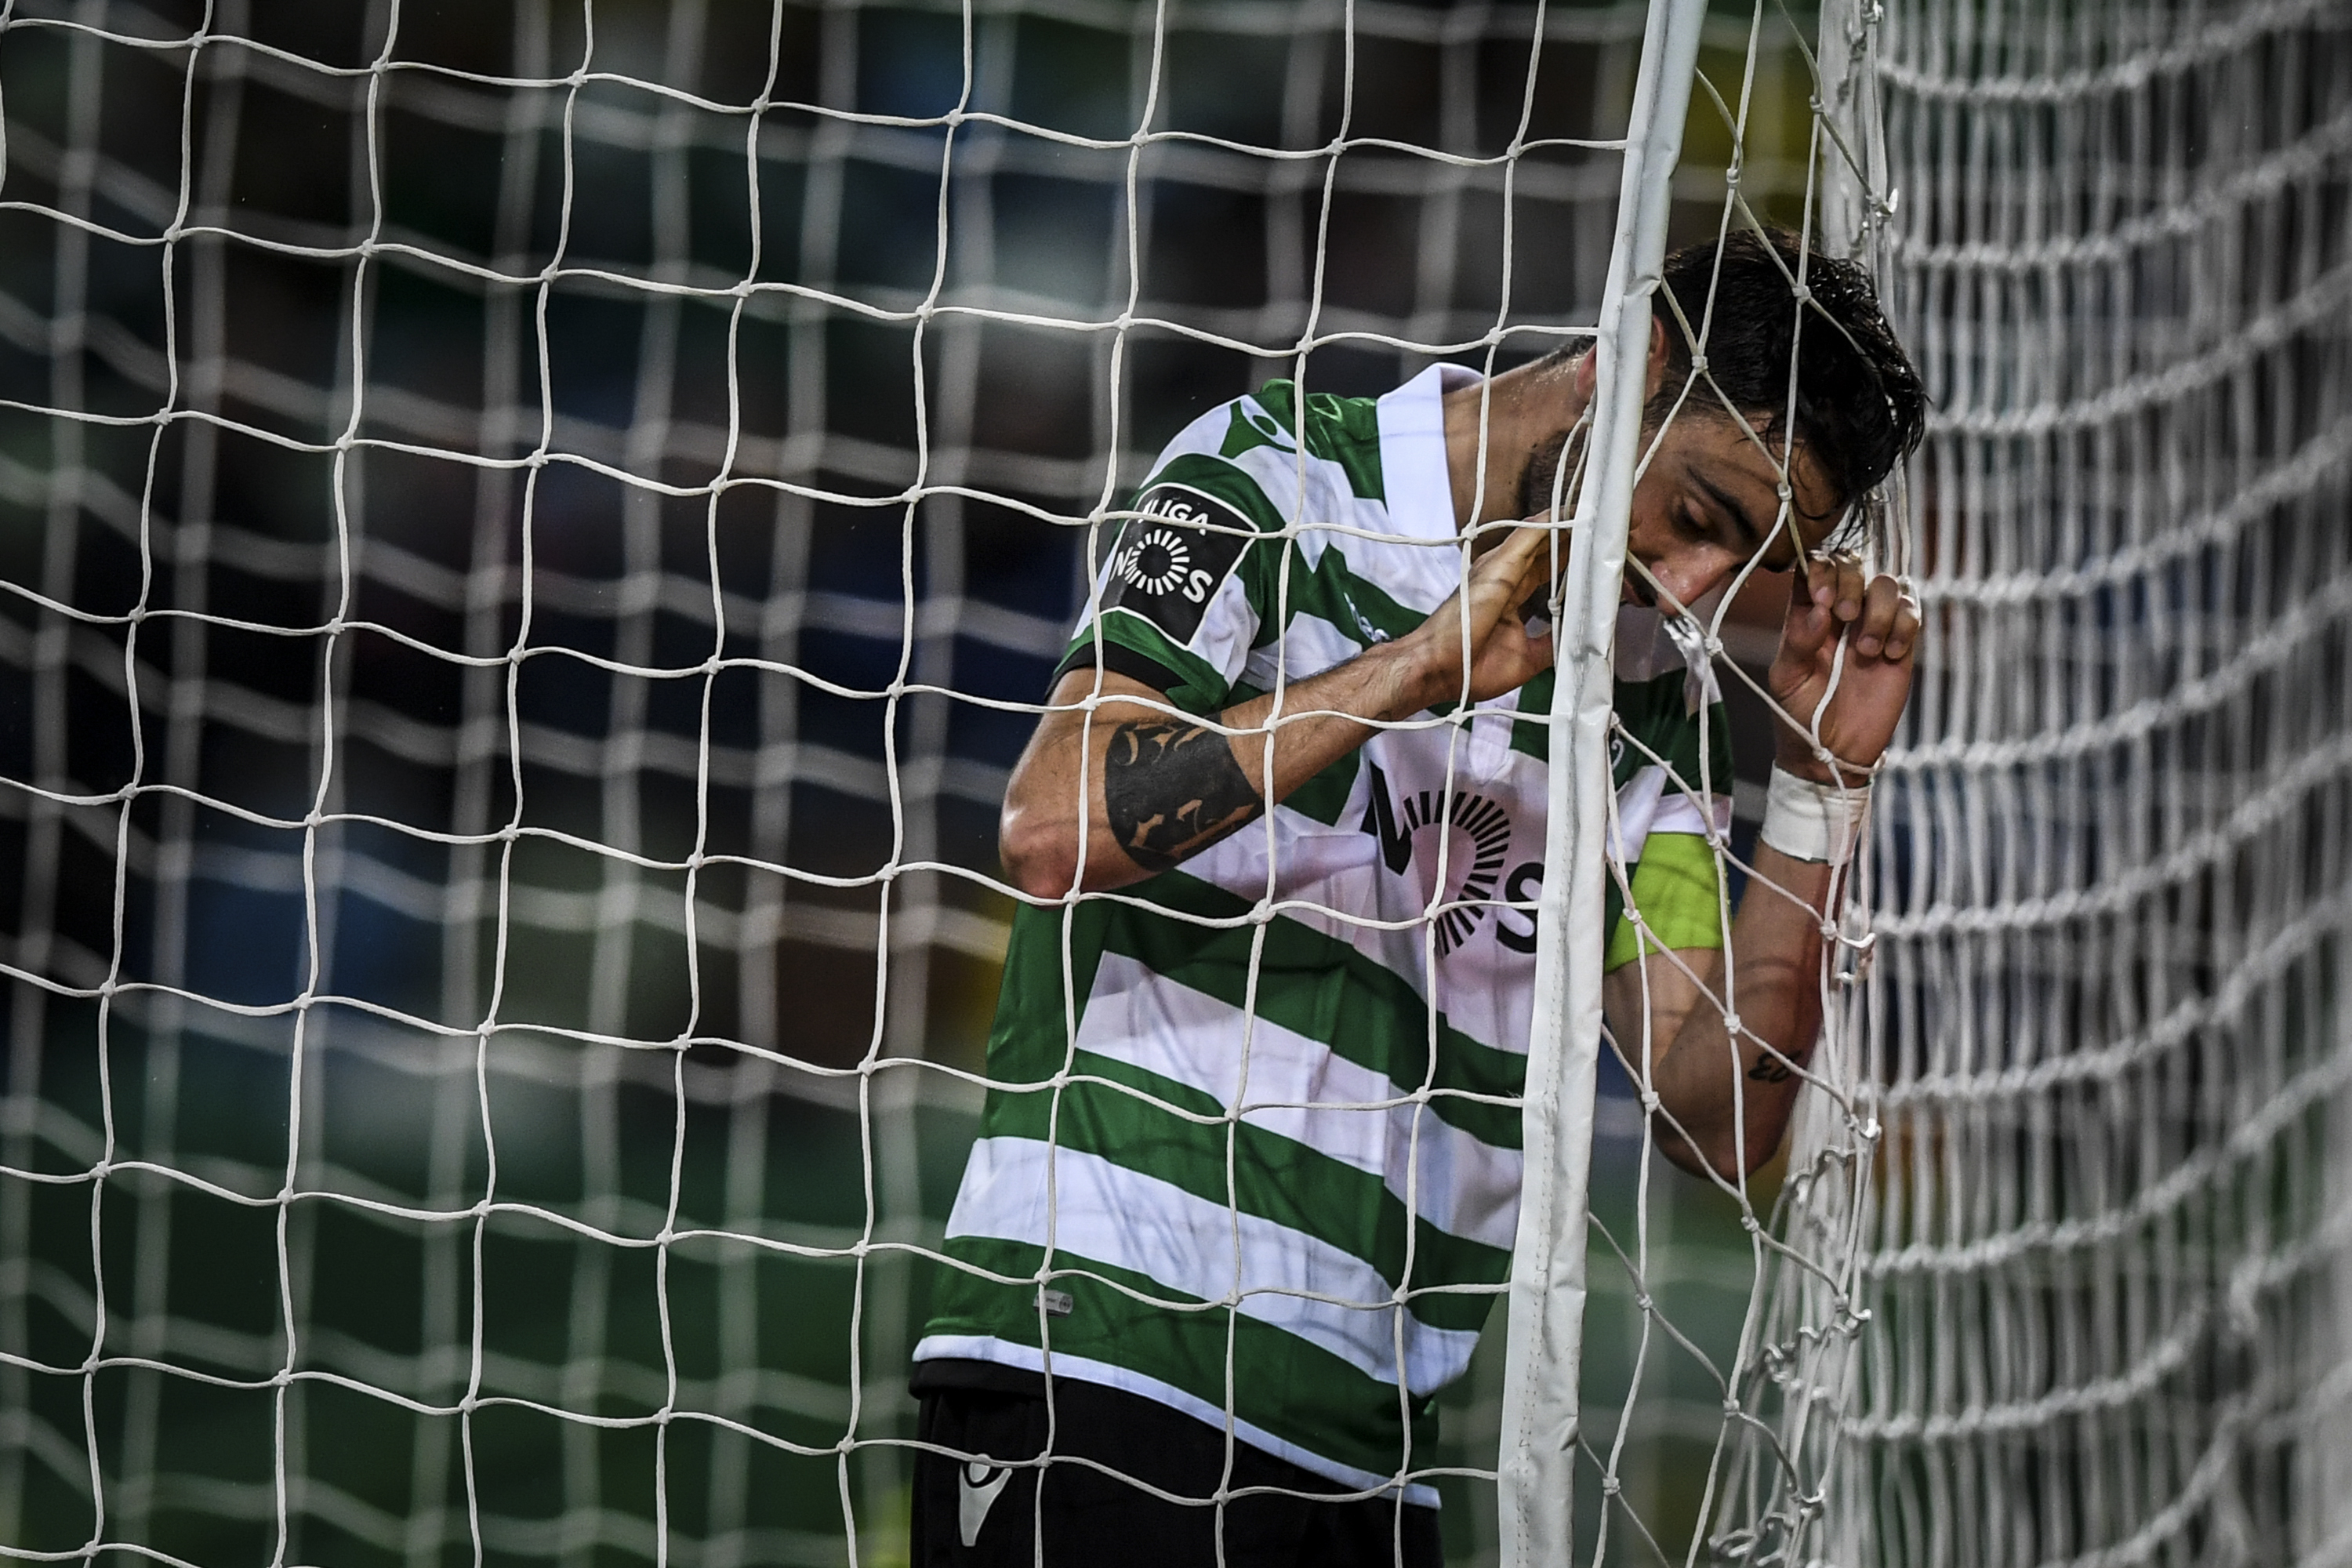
[(1172, 789)]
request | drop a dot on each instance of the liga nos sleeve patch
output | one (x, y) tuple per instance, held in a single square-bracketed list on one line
[(1170, 561)]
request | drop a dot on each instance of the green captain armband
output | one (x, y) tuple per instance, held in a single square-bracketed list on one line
[(1675, 884)]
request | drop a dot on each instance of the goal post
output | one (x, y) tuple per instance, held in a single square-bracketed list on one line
[(1541, 1393)]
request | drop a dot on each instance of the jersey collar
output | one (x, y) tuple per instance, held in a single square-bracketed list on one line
[(1414, 475)]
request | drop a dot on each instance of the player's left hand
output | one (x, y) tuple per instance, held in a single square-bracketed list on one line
[(1876, 622)]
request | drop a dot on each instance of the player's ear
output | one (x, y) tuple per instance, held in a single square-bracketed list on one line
[(1587, 369)]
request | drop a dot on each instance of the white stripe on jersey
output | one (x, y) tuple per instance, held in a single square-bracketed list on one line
[(1310, 646), (1191, 1245), (1415, 557), (1300, 1089)]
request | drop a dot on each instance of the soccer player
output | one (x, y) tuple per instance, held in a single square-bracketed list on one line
[(1248, 1172)]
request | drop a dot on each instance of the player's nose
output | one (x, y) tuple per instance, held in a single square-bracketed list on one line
[(1688, 576)]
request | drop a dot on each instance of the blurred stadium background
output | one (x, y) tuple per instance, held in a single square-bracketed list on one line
[(506, 683)]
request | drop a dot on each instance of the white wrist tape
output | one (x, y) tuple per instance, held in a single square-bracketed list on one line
[(1818, 822)]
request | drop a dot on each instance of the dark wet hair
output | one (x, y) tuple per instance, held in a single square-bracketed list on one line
[(1860, 409)]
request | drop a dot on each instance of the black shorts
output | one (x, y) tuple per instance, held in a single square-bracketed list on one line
[(972, 1514)]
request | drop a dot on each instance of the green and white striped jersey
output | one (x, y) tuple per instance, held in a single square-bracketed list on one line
[(1252, 1143)]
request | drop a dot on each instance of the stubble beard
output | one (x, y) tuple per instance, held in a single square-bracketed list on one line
[(1539, 477)]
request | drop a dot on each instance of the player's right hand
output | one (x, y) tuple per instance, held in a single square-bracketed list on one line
[(1483, 620)]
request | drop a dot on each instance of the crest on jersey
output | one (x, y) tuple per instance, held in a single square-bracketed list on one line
[(1170, 561)]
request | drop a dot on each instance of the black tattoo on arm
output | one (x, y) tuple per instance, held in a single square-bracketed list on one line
[(1172, 789), (1770, 1068)]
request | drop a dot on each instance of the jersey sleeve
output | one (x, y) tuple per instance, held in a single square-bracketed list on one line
[(1182, 594)]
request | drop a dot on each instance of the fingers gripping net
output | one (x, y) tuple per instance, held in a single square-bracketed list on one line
[(2107, 1255), (534, 536)]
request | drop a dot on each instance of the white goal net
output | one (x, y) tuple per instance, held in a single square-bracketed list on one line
[(2107, 1264), (533, 531)]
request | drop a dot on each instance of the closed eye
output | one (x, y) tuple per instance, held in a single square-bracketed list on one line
[(1740, 530)]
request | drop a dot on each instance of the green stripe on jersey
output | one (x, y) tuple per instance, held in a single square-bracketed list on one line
[(1321, 988), (1331, 590), (1342, 430), (1273, 1177), (1199, 688), (1654, 716), (1309, 983)]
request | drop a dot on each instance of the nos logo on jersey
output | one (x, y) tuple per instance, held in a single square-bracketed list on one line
[(1482, 843), (1169, 563)]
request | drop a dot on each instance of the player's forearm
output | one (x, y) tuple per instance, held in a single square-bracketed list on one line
[(1155, 787), (1109, 795), (1725, 1103)]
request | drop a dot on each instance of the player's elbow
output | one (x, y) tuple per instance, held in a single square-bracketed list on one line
[(1736, 1165), (1040, 854), (1716, 1151)]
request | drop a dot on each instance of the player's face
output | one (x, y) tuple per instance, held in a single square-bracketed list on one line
[(1709, 502)]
